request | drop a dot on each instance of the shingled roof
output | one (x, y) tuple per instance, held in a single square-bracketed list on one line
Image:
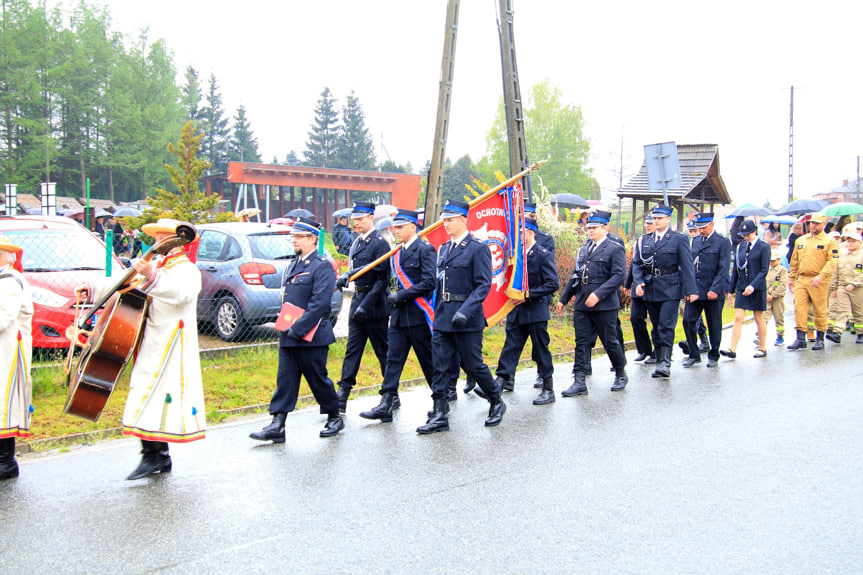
[(699, 175)]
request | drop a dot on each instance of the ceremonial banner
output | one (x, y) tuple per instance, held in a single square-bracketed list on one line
[(498, 220)]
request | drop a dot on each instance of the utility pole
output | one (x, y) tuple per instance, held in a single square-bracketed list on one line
[(447, 66), (791, 151), (518, 160)]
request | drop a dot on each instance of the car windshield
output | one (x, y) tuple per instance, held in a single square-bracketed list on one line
[(272, 246), (58, 250)]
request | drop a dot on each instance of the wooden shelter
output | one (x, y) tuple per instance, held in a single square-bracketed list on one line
[(702, 185)]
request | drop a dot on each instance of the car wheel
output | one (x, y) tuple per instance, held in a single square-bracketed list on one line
[(230, 324)]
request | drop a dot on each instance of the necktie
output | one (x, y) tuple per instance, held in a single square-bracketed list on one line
[(353, 251), (590, 249)]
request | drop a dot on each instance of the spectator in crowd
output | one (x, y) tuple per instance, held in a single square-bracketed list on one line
[(773, 235), (777, 283), (342, 236)]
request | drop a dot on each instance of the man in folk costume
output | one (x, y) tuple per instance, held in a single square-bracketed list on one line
[(308, 283), (16, 313), (166, 395), (412, 312)]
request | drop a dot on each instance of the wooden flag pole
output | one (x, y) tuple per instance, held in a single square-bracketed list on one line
[(533, 167)]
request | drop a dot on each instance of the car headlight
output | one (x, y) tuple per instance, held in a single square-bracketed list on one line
[(46, 297)]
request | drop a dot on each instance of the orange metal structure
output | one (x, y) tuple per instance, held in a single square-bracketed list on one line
[(321, 190)]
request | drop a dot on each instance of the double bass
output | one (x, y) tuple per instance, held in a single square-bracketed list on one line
[(111, 342)]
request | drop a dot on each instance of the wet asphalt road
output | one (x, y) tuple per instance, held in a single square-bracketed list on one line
[(754, 467)]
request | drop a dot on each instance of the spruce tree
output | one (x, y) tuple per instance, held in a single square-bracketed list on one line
[(243, 146), (355, 149), (214, 146), (323, 137), (191, 95)]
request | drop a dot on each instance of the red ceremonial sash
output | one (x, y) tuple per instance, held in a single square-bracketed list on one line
[(422, 302)]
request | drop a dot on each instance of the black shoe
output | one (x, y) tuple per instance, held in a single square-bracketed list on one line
[(651, 360), (469, 384), (578, 387), (834, 337), (335, 424), (712, 362), (859, 338), (800, 342), (704, 347), (620, 381), (431, 411), (546, 396), (343, 394), (274, 432), (728, 353), (495, 412), (589, 370), (397, 403), (690, 361), (155, 459), (684, 346), (818, 345), (383, 411), (8, 465), (438, 420), (538, 383), (508, 384), (478, 390), (641, 357), (452, 391)]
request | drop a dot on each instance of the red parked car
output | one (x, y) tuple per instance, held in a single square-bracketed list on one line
[(58, 253)]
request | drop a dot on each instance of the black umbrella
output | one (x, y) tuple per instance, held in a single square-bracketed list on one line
[(799, 207), (300, 213), (567, 200)]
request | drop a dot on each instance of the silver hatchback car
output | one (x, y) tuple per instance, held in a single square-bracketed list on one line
[(241, 267)]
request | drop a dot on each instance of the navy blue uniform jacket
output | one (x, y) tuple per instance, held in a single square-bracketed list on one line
[(756, 267), (605, 270), (711, 257), (371, 287), (672, 259), (542, 282), (463, 272), (309, 285), (418, 263)]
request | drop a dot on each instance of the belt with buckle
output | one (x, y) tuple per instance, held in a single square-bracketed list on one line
[(446, 296), (660, 272), (365, 289)]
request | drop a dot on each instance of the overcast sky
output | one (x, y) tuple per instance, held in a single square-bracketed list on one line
[(642, 72)]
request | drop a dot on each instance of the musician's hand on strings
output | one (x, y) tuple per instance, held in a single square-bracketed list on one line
[(144, 268)]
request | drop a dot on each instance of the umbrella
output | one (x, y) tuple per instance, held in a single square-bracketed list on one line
[(250, 212), (342, 213), (748, 210), (781, 220), (383, 223), (799, 207), (300, 213), (100, 213), (842, 209), (384, 211), (567, 200), (127, 211), (281, 222), (72, 212)]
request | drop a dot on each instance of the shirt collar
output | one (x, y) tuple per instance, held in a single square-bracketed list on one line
[(461, 238), (366, 235), (410, 241)]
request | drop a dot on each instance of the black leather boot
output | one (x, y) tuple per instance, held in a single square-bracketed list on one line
[(397, 403), (495, 411), (508, 384), (335, 424), (274, 432), (620, 381), (859, 338), (546, 396), (833, 336), (452, 392), (343, 394), (800, 342), (469, 384), (652, 359), (438, 420), (383, 411), (538, 383), (663, 365), (430, 412), (8, 465), (641, 357), (819, 341), (155, 459), (578, 387)]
